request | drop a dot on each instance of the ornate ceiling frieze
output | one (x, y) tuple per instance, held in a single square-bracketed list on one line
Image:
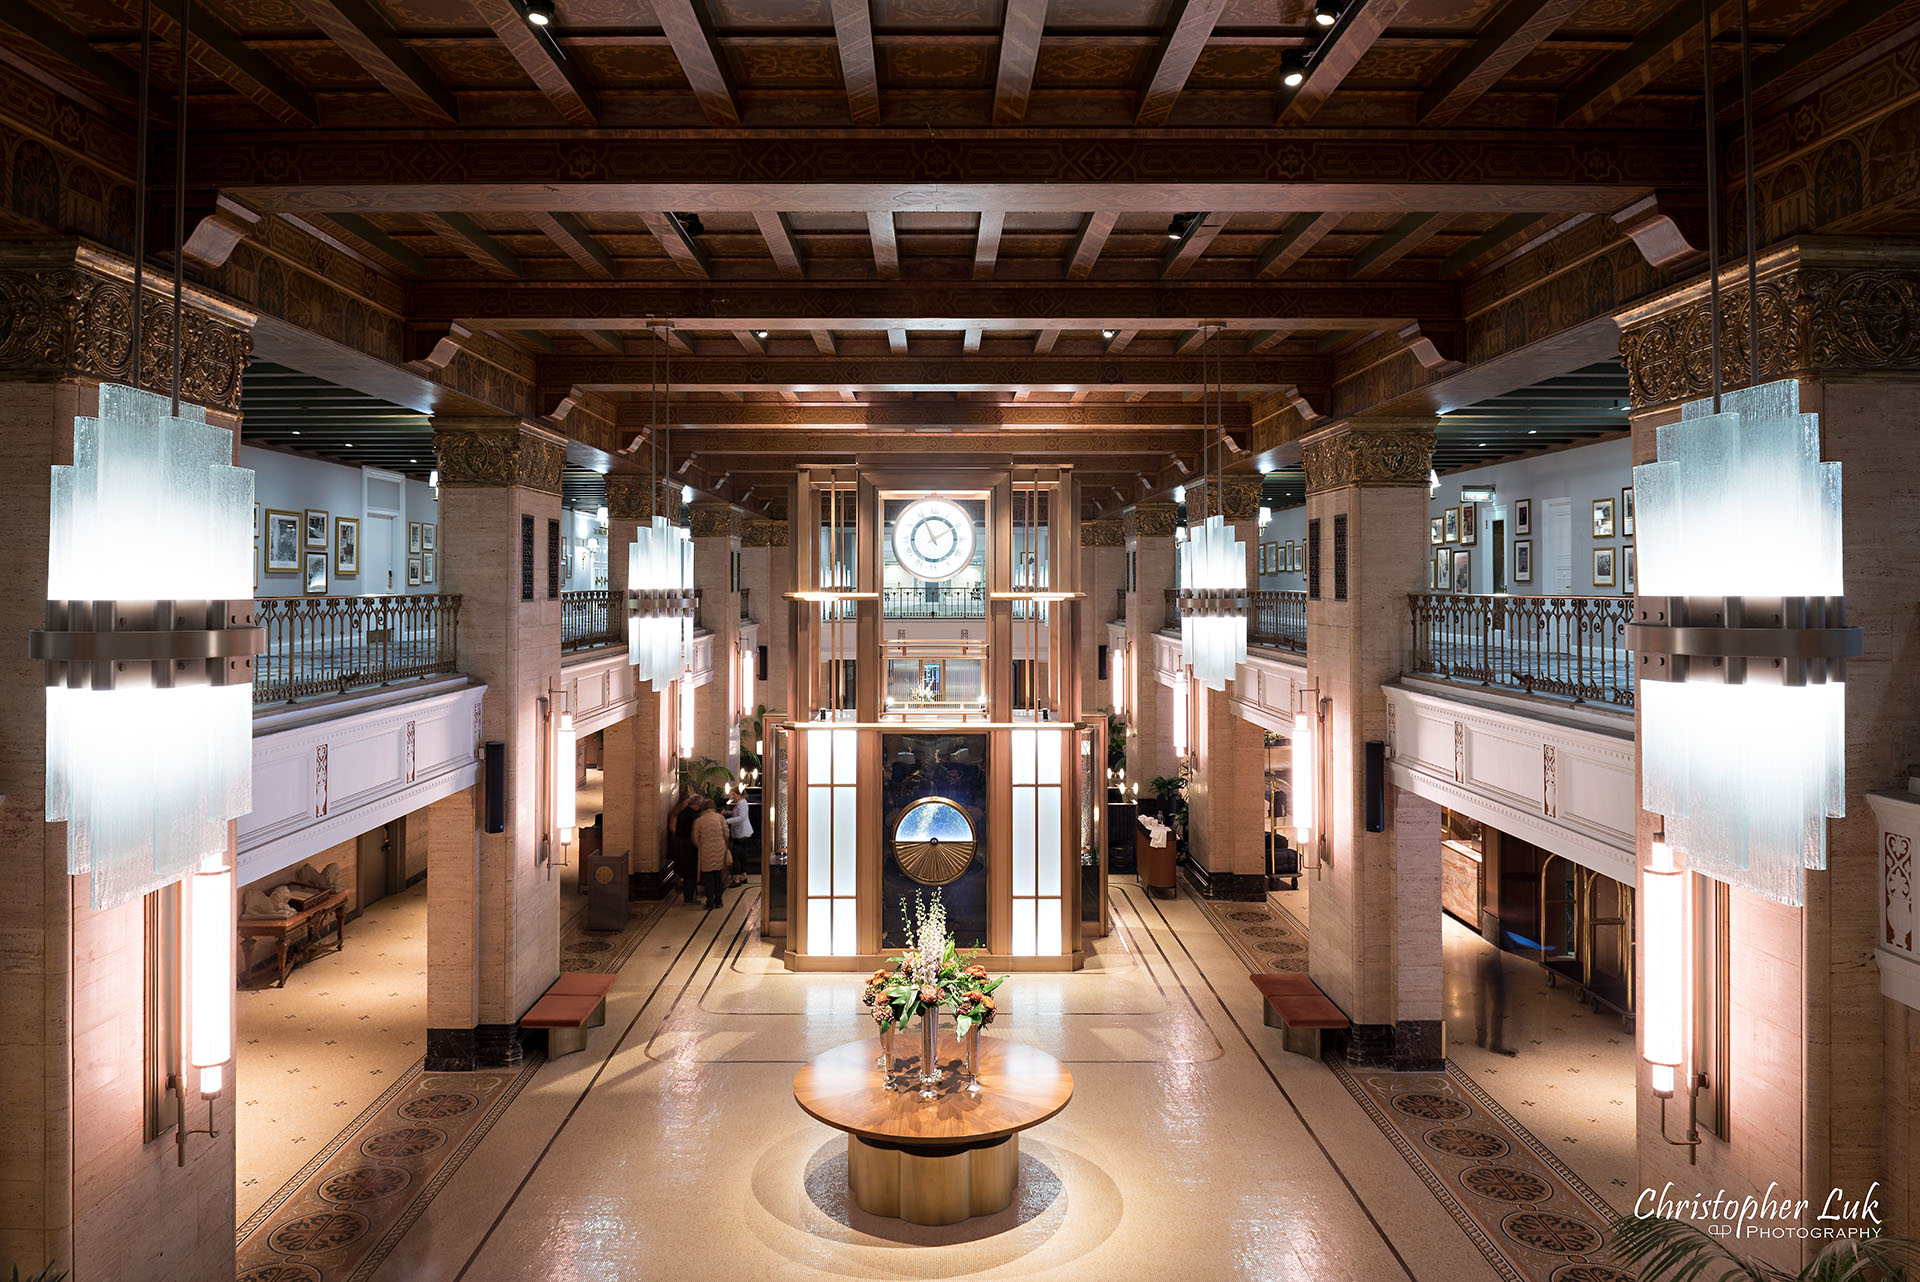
[(498, 456), (1108, 532), (1150, 520)]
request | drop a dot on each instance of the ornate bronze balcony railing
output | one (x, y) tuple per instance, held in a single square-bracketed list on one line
[(1275, 618), (591, 618), (1571, 646), (328, 645)]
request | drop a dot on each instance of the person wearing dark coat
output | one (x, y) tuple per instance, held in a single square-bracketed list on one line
[(680, 846)]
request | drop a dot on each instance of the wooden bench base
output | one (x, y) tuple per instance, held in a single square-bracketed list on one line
[(1295, 1005)]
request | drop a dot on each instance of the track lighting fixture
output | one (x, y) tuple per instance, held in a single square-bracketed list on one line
[(539, 12), (1326, 12), (1293, 68), (1178, 225)]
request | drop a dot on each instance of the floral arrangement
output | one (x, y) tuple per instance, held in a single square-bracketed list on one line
[(922, 693), (972, 1002), (930, 975)]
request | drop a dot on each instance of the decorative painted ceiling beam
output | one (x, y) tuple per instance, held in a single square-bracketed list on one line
[(1361, 23), (1384, 170), (986, 243), (1182, 41), (1515, 32), (853, 306), (853, 34), (679, 245), (1509, 233), (365, 35), (1672, 39), (1088, 244), (1020, 34), (220, 50), (907, 373), (467, 236), (566, 231), (1405, 236), (779, 237), (1192, 243), (559, 78), (886, 248), (689, 30)]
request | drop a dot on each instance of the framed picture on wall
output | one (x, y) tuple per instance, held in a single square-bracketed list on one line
[(1436, 531), (1603, 518), (283, 542), (1603, 567), (1626, 511), (1439, 574), (1523, 516), (1451, 523), (413, 571), (318, 533), (346, 546), (1523, 560), (1469, 522), (426, 536), (1296, 562), (413, 536), (930, 676), (256, 525), (426, 567), (1463, 572), (1626, 570), (314, 580)]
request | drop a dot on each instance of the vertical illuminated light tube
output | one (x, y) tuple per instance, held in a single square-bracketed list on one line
[(210, 973), (1180, 715), (1665, 1004), (1304, 783), (686, 716), (565, 815)]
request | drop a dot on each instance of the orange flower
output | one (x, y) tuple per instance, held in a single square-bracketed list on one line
[(929, 994), (986, 1001), (976, 996)]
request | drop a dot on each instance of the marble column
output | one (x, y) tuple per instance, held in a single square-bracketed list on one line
[(499, 539), (1227, 854), (1821, 1068), (1375, 904), (81, 1185), (1103, 567), (717, 529), (1148, 532)]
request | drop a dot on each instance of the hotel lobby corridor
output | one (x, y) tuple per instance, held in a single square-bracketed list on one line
[(672, 1148)]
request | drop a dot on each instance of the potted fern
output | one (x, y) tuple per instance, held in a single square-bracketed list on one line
[(1659, 1249)]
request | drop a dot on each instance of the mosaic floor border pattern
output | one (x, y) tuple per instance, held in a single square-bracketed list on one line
[(1265, 935), (343, 1213)]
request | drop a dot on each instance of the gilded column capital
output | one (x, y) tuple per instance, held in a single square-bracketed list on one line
[(761, 533), (1108, 532), (1150, 520), (1369, 452), (489, 452), (630, 497), (713, 518), (66, 311), (1239, 495), (1827, 306)]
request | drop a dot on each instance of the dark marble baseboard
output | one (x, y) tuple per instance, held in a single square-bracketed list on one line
[(652, 885), (462, 1050), (1410, 1046), (1230, 886)]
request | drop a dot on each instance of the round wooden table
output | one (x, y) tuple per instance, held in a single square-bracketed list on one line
[(935, 1161)]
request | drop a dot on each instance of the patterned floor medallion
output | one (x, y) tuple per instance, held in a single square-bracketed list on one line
[(343, 1213), (1531, 1216), (1266, 935)]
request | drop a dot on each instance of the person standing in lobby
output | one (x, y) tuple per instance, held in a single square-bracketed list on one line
[(680, 843), (710, 843)]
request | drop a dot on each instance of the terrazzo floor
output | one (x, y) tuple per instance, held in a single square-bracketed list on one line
[(672, 1148)]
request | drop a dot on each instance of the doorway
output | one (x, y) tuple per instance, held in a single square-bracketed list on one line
[(1556, 530), (376, 550)]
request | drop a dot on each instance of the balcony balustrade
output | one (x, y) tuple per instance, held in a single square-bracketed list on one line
[(328, 645), (1571, 646), (1276, 619), (592, 618)]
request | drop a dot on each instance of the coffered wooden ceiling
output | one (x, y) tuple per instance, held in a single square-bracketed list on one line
[(955, 218)]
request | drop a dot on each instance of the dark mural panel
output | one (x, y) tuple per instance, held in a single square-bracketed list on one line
[(920, 768)]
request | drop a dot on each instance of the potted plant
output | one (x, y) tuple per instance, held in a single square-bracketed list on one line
[(708, 778), (1170, 791), (1659, 1249), (752, 728)]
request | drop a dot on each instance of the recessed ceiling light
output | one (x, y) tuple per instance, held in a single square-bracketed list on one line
[(1293, 68), (760, 334), (1326, 12), (540, 12), (1533, 431), (1108, 333), (296, 431)]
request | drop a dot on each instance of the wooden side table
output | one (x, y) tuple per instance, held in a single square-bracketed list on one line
[(281, 929)]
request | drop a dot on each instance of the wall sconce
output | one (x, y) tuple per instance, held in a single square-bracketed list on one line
[(1667, 1015), (1180, 699), (1739, 639), (1309, 720), (1266, 516), (686, 716), (565, 803)]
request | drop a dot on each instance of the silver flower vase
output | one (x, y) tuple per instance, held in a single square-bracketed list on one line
[(885, 1062), (929, 1052), (972, 1070)]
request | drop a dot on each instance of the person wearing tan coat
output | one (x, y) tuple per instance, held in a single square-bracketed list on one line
[(710, 843)]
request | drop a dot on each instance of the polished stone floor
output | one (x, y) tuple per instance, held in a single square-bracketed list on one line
[(672, 1148)]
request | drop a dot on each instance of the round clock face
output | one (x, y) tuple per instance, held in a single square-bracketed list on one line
[(933, 539)]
